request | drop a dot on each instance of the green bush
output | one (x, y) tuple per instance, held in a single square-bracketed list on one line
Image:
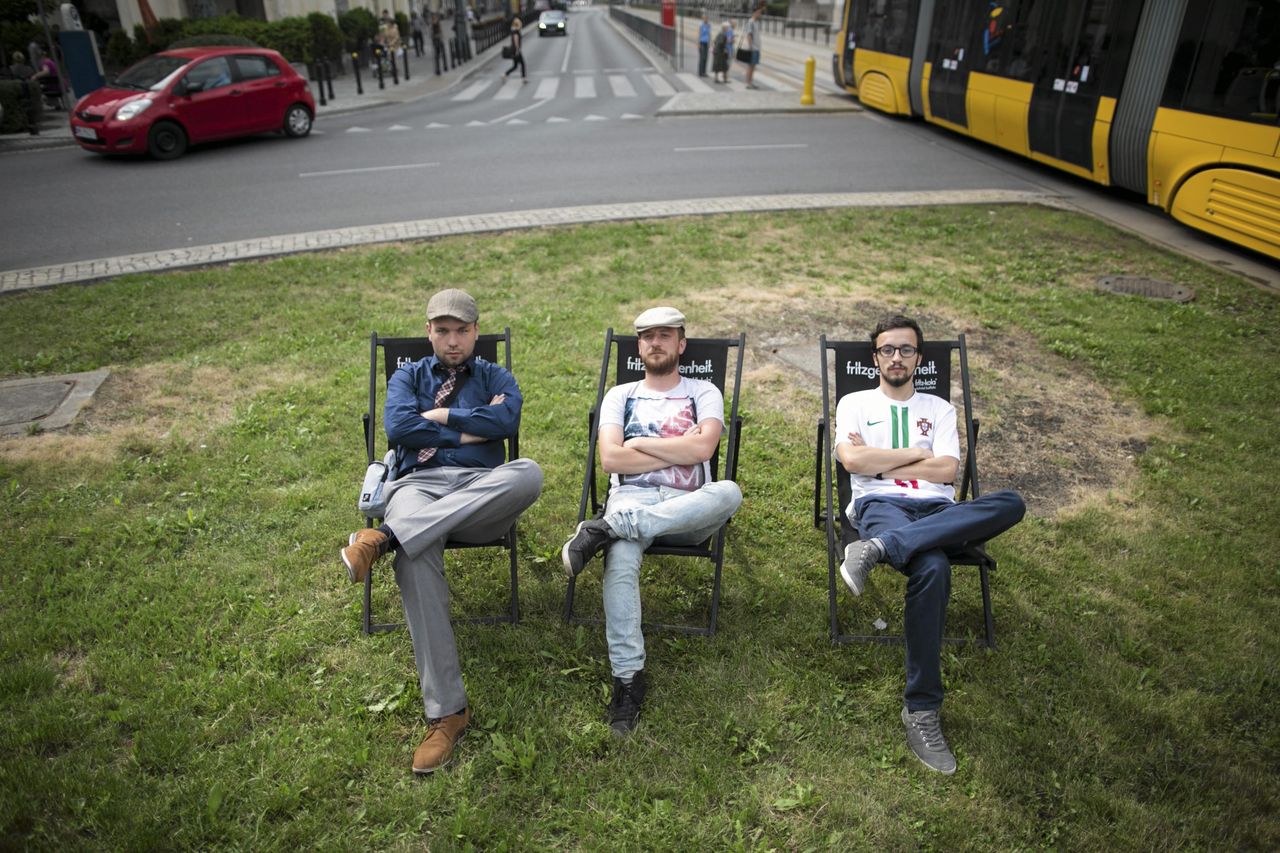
[(14, 35), (214, 40), (162, 35), (326, 38), (402, 24), (15, 104), (290, 36), (121, 51), (359, 26)]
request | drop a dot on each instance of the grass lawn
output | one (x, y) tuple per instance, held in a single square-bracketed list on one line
[(181, 664)]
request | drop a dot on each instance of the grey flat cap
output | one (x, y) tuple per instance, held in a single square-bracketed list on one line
[(453, 303), (658, 317)]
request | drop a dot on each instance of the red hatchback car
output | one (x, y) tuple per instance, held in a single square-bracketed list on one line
[(177, 98)]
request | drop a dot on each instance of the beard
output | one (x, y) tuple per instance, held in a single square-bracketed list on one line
[(661, 364), (897, 381)]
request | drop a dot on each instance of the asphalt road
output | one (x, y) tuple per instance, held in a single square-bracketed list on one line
[(584, 129)]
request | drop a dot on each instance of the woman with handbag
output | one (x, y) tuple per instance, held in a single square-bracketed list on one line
[(513, 52), (720, 55)]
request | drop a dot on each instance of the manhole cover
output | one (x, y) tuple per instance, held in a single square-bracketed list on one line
[(1136, 285)]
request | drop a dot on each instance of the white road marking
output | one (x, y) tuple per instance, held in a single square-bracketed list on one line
[(520, 111), (507, 91), (621, 86), (584, 87), (547, 88), (366, 169), (473, 91), (659, 84), (693, 81), (767, 147)]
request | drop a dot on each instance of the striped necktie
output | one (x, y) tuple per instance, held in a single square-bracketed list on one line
[(442, 394)]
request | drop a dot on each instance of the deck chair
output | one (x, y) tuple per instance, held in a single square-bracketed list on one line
[(398, 351), (705, 358), (855, 371)]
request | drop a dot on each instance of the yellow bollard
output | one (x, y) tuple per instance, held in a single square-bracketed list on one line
[(806, 97)]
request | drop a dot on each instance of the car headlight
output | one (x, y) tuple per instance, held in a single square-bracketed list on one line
[(133, 109), (541, 26)]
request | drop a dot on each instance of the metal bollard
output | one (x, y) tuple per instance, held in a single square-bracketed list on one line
[(382, 84), (806, 97), (328, 77), (395, 70), (406, 66), (355, 66)]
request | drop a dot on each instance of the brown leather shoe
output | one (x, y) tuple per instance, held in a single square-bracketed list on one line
[(362, 551), (437, 747)]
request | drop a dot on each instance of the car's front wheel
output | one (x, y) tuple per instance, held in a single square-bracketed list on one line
[(297, 121), (166, 141)]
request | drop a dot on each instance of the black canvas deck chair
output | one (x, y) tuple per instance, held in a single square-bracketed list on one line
[(398, 351), (855, 371), (703, 358)]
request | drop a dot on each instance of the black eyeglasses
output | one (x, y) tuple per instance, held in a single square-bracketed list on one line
[(907, 350)]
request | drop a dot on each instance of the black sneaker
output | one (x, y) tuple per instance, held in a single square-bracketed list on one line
[(587, 541), (924, 736), (624, 709)]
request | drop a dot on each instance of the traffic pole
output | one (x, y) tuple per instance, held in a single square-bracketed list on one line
[(806, 97)]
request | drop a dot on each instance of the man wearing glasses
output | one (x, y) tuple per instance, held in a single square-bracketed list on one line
[(902, 453)]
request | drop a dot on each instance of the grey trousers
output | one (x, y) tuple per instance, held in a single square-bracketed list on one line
[(424, 509)]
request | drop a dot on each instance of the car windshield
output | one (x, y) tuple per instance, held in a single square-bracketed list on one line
[(552, 17), (150, 73)]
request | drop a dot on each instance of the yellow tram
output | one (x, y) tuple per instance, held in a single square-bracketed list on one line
[(1174, 99)]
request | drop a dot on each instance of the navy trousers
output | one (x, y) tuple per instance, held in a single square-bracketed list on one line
[(917, 534)]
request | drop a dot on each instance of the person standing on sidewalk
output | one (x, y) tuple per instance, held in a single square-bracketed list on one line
[(704, 44), (752, 43), (720, 54), (437, 44), (517, 54), (449, 415), (415, 27), (900, 449), (656, 438)]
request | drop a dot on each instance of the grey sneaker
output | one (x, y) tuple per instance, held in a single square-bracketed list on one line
[(587, 541), (859, 558), (924, 736)]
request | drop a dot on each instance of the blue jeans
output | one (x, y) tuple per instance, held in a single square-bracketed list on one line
[(917, 535), (641, 515)]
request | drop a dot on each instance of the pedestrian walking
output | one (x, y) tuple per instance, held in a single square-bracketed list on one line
[(517, 55), (704, 44), (415, 27), (437, 43)]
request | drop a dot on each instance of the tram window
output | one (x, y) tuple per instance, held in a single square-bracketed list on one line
[(886, 26), (1006, 41), (1227, 61)]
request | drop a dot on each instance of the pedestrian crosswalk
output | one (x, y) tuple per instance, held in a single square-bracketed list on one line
[(609, 83)]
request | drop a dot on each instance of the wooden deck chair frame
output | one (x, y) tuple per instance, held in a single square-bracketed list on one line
[(697, 353), (398, 351), (855, 371)]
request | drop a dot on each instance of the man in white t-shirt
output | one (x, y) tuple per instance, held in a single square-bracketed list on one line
[(656, 438), (902, 453)]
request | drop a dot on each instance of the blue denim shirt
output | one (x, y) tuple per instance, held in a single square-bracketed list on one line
[(412, 391)]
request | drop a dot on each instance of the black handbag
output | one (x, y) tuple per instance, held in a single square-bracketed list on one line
[(743, 54), (508, 52)]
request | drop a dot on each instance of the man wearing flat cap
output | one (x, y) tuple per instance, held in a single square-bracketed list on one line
[(656, 439), (449, 415)]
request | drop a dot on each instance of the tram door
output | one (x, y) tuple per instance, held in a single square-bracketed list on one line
[(951, 42), (1081, 50)]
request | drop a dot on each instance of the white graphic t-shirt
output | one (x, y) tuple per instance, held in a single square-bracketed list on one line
[(924, 420), (642, 412)]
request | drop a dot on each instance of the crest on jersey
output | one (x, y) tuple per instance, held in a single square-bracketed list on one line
[(924, 425)]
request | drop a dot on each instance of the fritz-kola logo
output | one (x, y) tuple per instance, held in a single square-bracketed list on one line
[(857, 368), (696, 367), (703, 367), (924, 425)]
